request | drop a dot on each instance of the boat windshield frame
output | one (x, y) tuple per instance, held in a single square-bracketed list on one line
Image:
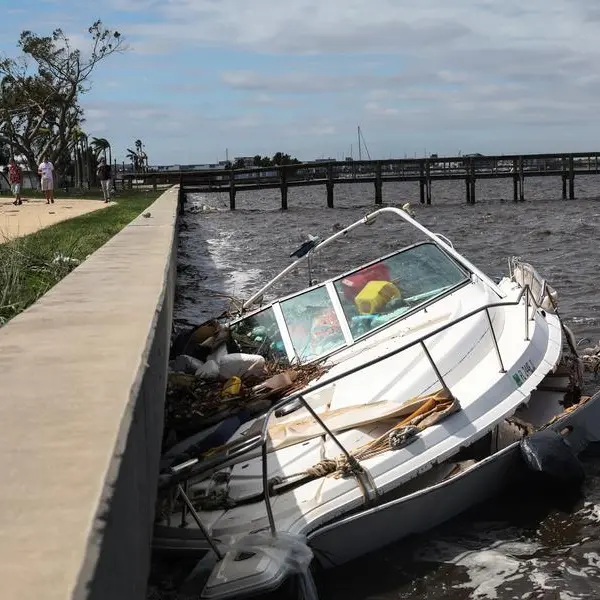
[(346, 338), (438, 239)]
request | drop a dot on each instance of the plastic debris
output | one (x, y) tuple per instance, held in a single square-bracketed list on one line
[(65, 260), (278, 382), (232, 387), (186, 364), (208, 370), (241, 364)]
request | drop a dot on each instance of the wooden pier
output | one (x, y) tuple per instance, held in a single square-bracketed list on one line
[(424, 171)]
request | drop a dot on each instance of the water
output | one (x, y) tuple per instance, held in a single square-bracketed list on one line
[(520, 546)]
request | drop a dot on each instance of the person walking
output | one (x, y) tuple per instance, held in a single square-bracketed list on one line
[(46, 171), (15, 178), (105, 176)]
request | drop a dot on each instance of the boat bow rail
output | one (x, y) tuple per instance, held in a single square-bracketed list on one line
[(240, 449)]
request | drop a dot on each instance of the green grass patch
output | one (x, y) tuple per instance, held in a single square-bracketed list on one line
[(31, 265)]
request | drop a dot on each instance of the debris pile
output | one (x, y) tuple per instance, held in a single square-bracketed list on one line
[(217, 372), (591, 358)]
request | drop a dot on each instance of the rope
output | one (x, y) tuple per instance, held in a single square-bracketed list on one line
[(327, 467), (435, 407), (394, 438)]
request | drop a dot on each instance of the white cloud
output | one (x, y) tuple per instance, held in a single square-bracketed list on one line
[(313, 26), (244, 122), (263, 99), (377, 110), (317, 129), (486, 69)]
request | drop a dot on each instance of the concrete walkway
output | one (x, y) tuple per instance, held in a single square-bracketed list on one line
[(34, 215)]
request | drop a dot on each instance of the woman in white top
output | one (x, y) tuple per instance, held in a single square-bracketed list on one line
[(46, 171)]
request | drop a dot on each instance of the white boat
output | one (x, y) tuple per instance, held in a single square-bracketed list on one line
[(435, 374)]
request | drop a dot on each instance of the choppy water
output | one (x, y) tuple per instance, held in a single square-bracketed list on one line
[(516, 547)]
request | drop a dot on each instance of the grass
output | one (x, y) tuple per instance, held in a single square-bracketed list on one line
[(31, 265)]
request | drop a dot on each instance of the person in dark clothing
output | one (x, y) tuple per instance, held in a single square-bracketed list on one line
[(105, 176)]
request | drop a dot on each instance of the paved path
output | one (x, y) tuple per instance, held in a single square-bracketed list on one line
[(33, 215)]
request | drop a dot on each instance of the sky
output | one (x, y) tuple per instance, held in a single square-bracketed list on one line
[(206, 78)]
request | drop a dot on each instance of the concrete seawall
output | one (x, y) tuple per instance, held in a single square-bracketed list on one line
[(82, 382)]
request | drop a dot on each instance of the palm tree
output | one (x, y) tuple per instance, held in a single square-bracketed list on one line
[(74, 147), (134, 158), (101, 146)]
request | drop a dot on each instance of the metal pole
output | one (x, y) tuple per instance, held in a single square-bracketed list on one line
[(315, 416), (437, 371), (487, 314), (199, 522), (265, 482), (527, 313)]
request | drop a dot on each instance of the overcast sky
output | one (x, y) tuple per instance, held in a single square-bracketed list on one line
[(261, 76)]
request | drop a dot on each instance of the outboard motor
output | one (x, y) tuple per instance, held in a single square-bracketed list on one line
[(546, 452)]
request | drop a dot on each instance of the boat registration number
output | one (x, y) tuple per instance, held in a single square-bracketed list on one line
[(522, 374)]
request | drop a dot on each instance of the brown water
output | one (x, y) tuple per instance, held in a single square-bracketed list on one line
[(520, 546)]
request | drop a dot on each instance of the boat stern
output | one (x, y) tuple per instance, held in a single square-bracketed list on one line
[(258, 564)]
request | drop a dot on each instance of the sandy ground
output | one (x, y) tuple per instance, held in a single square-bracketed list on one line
[(33, 215)]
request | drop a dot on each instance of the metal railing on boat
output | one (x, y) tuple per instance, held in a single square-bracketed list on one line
[(200, 469)]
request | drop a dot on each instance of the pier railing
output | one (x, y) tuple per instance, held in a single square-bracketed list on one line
[(377, 172)]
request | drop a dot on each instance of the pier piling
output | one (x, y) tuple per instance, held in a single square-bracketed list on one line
[(470, 182), (428, 181), (378, 184), (571, 179), (284, 188), (231, 191), (521, 180), (329, 186)]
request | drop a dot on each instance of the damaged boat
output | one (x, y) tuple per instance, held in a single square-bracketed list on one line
[(432, 378)]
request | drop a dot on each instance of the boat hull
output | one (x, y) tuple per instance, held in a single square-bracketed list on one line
[(375, 528)]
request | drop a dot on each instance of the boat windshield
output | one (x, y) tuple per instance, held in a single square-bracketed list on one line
[(384, 291), (259, 334), (332, 315), (313, 324)]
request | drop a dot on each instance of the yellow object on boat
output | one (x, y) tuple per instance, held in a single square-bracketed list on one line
[(232, 387), (374, 296)]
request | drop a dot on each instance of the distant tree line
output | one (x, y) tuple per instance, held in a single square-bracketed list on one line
[(279, 158)]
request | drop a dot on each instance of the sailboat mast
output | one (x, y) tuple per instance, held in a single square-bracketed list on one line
[(359, 146), (361, 137)]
